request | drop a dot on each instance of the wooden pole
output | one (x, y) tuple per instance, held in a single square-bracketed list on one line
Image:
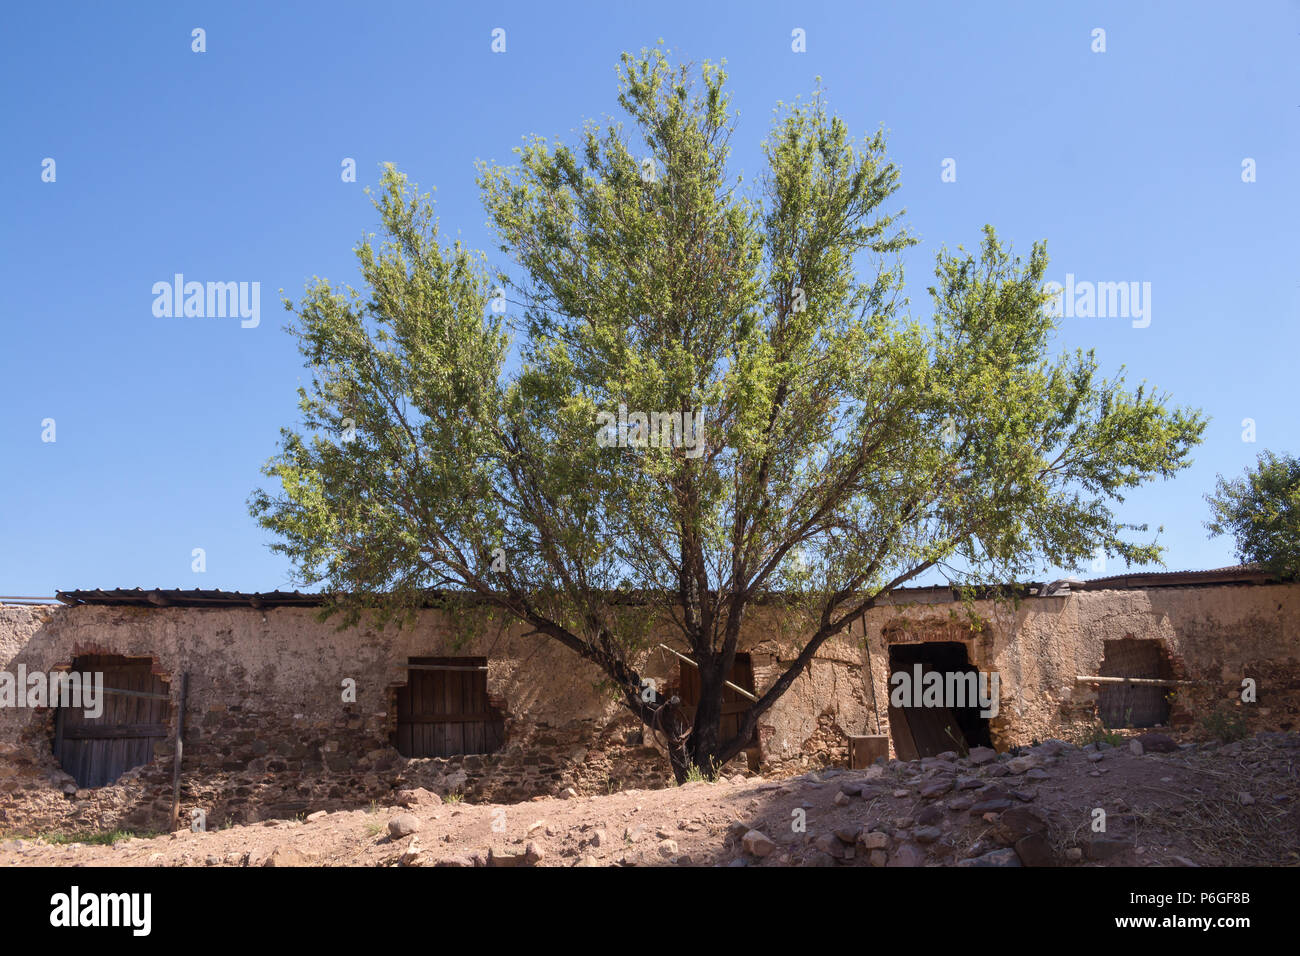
[(871, 679), (137, 693), (180, 745), (1144, 681), (739, 690), (58, 733)]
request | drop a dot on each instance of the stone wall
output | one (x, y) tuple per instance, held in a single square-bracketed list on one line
[(269, 733), (1213, 636)]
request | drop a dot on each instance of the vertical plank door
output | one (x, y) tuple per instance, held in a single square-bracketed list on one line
[(98, 750), (444, 710)]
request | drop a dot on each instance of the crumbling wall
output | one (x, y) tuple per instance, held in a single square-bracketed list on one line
[(272, 732), (825, 704), (1212, 636), (272, 728), (269, 732)]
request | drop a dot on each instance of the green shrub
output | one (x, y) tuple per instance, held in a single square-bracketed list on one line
[(1226, 724), (1098, 734), (695, 775)]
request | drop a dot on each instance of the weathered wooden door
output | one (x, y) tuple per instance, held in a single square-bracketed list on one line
[(924, 731), (1133, 705), (135, 707), (733, 704), (444, 709)]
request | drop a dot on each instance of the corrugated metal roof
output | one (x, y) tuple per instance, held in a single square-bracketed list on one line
[(197, 597), (177, 597), (1239, 574)]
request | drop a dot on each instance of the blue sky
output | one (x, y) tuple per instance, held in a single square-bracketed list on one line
[(225, 166)]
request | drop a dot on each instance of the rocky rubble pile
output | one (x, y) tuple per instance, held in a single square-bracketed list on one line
[(1149, 802), (977, 809)]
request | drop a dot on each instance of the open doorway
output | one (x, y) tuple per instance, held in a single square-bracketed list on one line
[(925, 731)]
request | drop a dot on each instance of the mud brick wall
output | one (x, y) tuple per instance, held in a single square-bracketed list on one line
[(268, 733), (1213, 636)]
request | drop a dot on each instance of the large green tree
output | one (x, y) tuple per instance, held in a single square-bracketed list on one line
[(837, 448), (1261, 510)]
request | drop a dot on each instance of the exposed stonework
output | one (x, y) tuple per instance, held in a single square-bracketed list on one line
[(268, 733), (1172, 806), (1214, 636)]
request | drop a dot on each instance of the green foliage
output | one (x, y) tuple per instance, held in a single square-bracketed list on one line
[(695, 774), (1261, 510), (1098, 734), (847, 446), (1226, 724)]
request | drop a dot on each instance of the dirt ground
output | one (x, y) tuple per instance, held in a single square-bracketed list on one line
[(1194, 805)]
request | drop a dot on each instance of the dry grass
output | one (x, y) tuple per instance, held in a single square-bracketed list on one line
[(1233, 834)]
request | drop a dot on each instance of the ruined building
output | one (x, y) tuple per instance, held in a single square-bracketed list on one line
[(284, 714)]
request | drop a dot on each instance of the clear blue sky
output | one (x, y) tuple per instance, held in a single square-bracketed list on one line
[(225, 166)]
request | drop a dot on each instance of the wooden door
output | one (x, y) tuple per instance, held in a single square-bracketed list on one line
[(135, 706), (1133, 705), (925, 731), (444, 710), (733, 704)]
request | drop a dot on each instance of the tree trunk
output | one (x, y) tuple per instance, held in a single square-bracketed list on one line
[(708, 717), (680, 761), (668, 721)]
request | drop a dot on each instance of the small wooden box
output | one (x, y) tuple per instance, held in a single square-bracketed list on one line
[(863, 751)]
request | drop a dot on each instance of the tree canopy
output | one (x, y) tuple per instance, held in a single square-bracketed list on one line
[(1261, 511), (831, 446)]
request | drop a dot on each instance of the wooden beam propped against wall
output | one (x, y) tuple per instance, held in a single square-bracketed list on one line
[(739, 690), (1141, 681)]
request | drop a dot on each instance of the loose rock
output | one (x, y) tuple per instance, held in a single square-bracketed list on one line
[(757, 844), (403, 825)]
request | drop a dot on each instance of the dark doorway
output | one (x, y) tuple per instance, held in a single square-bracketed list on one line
[(920, 731), (734, 705), (444, 710), (133, 714), (1128, 705)]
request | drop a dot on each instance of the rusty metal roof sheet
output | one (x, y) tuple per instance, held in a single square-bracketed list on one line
[(1239, 574), (197, 597)]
